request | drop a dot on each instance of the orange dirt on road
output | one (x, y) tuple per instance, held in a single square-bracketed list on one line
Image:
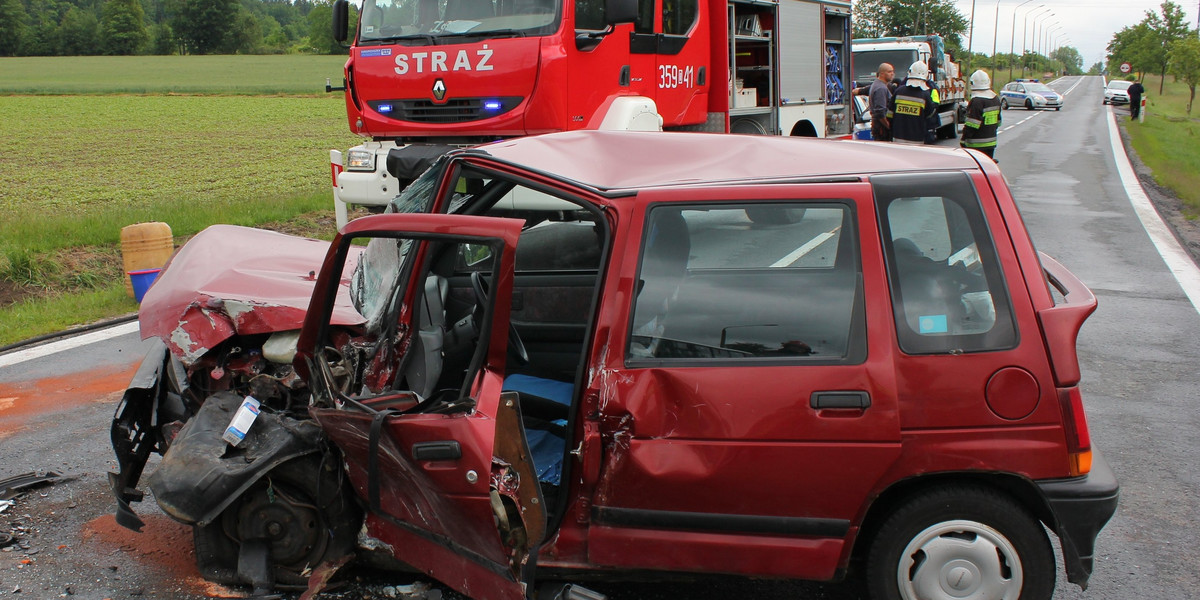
[(23, 401)]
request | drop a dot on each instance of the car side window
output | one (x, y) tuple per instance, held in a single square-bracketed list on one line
[(948, 292), (750, 283)]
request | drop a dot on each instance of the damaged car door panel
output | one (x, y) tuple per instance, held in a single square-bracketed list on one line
[(576, 352)]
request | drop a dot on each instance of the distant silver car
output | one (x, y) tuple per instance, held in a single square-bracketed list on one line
[(1117, 92), (1031, 94)]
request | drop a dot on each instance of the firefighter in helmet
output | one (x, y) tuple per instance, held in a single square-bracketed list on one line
[(983, 116), (911, 107)]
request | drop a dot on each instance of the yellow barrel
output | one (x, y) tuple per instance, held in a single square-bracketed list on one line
[(145, 246)]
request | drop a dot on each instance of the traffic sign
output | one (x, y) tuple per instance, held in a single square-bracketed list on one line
[(1126, 67)]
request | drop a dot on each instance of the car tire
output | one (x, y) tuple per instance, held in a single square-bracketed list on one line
[(1057, 108), (319, 508), (987, 543), (1003, 104), (1028, 105), (769, 215)]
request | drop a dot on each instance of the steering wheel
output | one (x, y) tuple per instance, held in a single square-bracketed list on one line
[(516, 347)]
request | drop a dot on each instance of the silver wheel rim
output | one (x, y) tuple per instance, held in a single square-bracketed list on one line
[(959, 560)]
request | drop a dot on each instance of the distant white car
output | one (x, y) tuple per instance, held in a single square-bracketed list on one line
[(1117, 92)]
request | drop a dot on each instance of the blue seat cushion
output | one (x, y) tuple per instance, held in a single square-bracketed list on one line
[(550, 399)]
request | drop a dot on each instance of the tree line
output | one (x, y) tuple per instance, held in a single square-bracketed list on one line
[(127, 27), (1161, 43), (880, 18)]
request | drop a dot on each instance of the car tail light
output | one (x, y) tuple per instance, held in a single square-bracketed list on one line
[(1079, 441)]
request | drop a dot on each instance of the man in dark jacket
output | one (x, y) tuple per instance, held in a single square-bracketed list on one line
[(880, 95), (983, 116), (912, 107), (1135, 99)]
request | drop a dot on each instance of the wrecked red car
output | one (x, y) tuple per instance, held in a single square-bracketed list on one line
[(616, 352)]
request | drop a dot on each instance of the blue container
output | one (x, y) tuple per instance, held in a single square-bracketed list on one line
[(142, 280)]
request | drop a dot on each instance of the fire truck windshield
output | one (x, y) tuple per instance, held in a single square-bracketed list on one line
[(423, 21)]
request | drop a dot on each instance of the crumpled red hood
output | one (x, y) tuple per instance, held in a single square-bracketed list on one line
[(231, 280)]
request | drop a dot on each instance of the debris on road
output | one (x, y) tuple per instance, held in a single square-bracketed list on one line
[(14, 486)]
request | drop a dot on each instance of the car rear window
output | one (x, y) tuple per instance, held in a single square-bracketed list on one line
[(948, 292)]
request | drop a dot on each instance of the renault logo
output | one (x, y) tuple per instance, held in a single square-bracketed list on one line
[(439, 90)]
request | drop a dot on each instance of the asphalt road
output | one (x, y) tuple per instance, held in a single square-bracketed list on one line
[(1139, 381)]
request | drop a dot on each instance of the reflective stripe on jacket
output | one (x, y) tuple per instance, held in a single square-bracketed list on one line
[(982, 124), (910, 111)]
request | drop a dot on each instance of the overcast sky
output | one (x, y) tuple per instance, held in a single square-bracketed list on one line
[(1086, 25)]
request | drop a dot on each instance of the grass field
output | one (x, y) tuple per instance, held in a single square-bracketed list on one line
[(97, 143), (83, 166), (1168, 141), (277, 74)]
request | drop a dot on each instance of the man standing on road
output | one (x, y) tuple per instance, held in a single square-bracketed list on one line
[(983, 116), (1135, 99), (880, 95), (912, 107)]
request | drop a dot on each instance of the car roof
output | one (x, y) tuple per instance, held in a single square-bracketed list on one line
[(609, 161)]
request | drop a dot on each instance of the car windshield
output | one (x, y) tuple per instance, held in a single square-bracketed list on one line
[(1119, 85), (382, 266), (433, 22), (866, 63), (1037, 87)]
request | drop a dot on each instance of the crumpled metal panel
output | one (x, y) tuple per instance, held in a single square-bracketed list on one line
[(200, 475), (231, 280)]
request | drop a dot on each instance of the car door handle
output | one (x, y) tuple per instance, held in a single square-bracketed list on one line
[(440, 450), (840, 399)]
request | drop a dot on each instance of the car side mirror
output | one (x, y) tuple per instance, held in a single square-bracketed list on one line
[(620, 11), (341, 21)]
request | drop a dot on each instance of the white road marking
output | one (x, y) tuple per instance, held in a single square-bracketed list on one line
[(16, 358), (796, 254), (1177, 259)]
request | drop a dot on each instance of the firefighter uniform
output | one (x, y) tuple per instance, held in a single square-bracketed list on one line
[(983, 116), (911, 107), (910, 111)]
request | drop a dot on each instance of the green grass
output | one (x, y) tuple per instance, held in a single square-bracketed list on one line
[(34, 317), (78, 168), (1168, 141), (93, 144), (276, 74)]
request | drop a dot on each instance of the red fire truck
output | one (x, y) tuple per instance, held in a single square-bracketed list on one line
[(424, 76)]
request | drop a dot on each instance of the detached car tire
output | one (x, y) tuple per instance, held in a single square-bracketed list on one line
[(961, 542), (303, 509)]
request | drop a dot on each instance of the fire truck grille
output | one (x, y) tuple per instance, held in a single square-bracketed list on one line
[(457, 110)]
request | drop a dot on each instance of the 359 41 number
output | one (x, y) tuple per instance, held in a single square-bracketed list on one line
[(675, 76)]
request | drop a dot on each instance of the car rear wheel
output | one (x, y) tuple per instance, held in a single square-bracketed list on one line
[(961, 543), (1003, 104), (302, 510)]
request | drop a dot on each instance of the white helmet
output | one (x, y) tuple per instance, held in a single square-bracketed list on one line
[(918, 75), (918, 70), (980, 80)]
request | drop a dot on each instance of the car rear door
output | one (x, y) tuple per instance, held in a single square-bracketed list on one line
[(448, 483), (754, 412)]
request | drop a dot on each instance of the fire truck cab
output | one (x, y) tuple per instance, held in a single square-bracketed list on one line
[(424, 76)]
